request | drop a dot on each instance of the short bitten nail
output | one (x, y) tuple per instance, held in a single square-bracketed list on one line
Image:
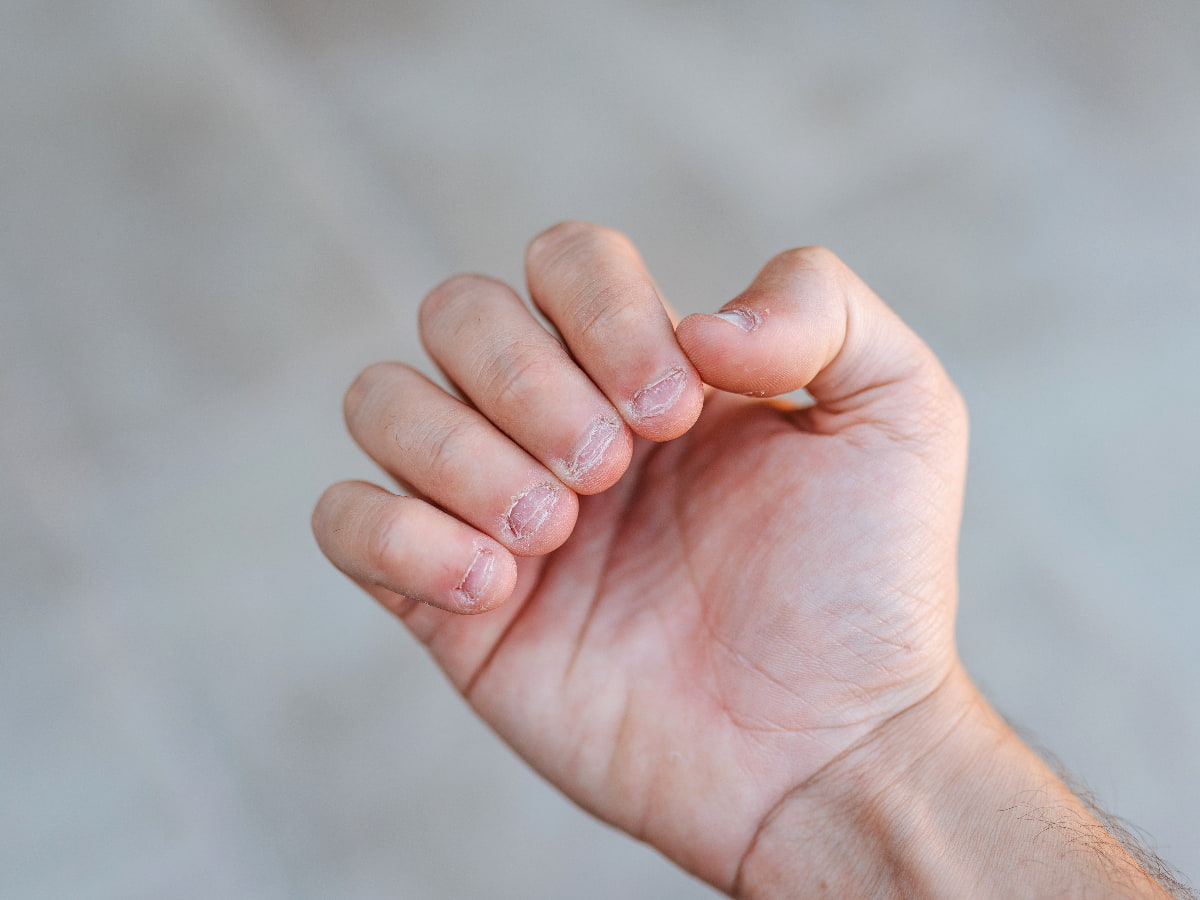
[(477, 577), (591, 452), (742, 318), (657, 398), (530, 511)]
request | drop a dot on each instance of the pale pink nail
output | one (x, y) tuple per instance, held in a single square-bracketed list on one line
[(657, 398), (591, 452), (742, 318), (530, 511), (478, 576)]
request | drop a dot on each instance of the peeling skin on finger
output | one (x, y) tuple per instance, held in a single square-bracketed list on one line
[(657, 398), (477, 578), (529, 511), (591, 452)]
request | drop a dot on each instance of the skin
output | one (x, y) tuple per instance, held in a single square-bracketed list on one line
[(716, 620)]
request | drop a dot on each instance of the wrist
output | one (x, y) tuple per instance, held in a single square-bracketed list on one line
[(942, 800)]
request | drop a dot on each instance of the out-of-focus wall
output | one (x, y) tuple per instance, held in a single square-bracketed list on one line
[(212, 214)]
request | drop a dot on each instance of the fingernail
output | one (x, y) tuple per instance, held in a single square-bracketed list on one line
[(476, 580), (742, 318), (530, 511), (659, 397), (591, 452)]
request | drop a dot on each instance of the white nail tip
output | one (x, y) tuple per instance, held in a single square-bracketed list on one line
[(744, 319)]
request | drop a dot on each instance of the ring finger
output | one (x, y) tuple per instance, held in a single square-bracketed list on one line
[(456, 458)]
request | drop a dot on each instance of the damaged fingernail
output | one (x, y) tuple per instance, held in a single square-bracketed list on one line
[(591, 452), (742, 318), (477, 577), (530, 511), (657, 398)]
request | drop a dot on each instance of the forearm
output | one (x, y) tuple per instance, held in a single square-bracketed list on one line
[(944, 801)]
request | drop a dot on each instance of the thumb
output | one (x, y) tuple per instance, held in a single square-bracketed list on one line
[(807, 321)]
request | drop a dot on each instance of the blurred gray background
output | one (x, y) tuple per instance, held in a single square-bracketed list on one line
[(213, 214)]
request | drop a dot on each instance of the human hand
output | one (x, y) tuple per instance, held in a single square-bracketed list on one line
[(718, 621), (687, 622)]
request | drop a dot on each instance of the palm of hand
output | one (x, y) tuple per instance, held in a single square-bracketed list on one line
[(746, 603), (749, 601)]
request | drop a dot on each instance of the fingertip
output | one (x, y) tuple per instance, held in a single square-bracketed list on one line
[(486, 583), (330, 511), (600, 458), (732, 352), (409, 549), (668, 406), (462, 577), (538, 520)]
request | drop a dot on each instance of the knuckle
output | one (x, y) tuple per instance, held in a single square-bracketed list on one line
[(443, 449), (553, 240), (598, 310), (324, 514), (455, 291), (513, 379), (570, 239), (813, 258)]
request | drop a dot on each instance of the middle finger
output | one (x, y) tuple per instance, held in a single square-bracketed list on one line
[(591, 283), (487, 342)]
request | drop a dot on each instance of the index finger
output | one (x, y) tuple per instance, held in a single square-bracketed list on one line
[(591, 283)]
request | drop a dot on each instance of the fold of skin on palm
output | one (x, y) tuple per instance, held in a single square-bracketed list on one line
[(750, 601)]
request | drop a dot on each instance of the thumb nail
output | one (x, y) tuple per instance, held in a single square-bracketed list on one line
[(742, 318)]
